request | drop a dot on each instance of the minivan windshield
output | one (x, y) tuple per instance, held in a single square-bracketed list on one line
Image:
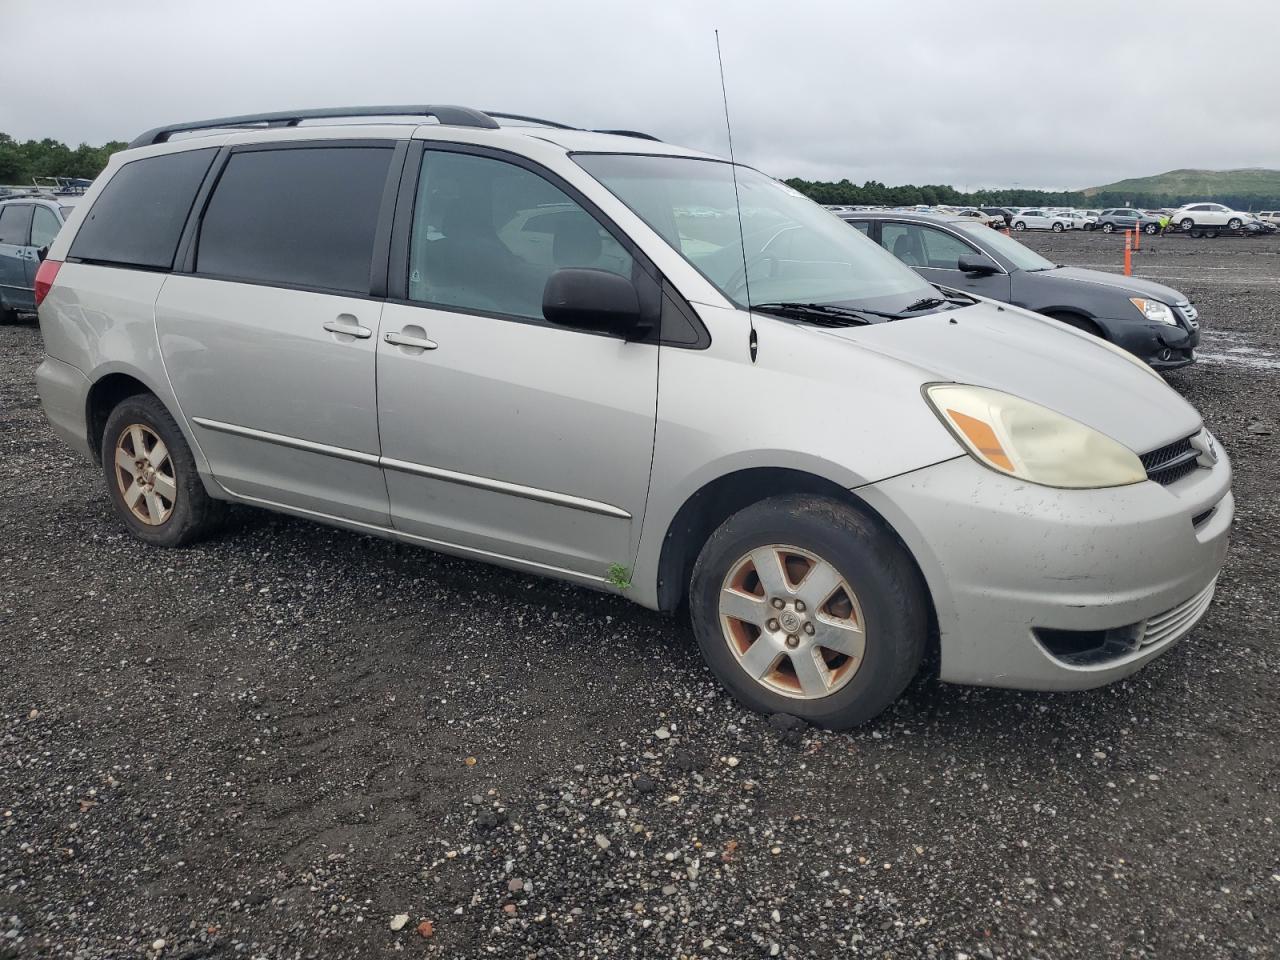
[(1024, 258), (795, 251)]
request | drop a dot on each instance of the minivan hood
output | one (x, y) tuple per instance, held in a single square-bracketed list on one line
[(1132, 286), (1019, 352)]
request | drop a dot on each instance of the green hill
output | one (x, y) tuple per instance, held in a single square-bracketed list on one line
[(1198, 184)]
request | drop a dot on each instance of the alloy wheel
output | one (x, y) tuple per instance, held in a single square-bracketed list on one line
[(144, 474), (792, 621)]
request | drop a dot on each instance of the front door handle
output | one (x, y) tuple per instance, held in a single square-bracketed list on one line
[(347, 324), (403, 339)]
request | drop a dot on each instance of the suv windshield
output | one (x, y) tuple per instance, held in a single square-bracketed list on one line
[(1024, 258), (795, 250)]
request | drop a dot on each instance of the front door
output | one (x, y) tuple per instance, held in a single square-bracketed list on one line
[(503, 435), (270, 343), (935, 254)]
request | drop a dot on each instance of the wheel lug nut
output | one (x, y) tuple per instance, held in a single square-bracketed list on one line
[(793, 642), (808, 628), (772, 625), (800, 606), (778, 604)]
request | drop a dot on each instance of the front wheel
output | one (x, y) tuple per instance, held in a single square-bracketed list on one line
[(1019, 225), (1151, 229), (151, 476), (1108, 228), (1187, 223), (803, 605), (1235, 223), (1057, 228)]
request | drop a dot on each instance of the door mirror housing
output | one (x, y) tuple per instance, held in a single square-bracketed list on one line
[(977, 265), (42, 253), (588, 299)]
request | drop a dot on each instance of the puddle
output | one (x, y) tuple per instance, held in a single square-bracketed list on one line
[(1232, 351)]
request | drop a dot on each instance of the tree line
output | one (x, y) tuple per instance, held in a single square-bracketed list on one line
[(877, 194), (20, 161)]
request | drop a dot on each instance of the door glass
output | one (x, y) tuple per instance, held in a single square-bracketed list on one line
[(942, 250), (298, 217), (862, 225), (904, 242), (487, 234), (14, 219), (44, 227)]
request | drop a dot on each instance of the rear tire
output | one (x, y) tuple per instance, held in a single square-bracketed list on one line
[(1211, 234), (151, 476), (876, 610)]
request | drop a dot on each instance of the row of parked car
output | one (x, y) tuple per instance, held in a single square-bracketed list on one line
[(835, 446), (1197, 219)]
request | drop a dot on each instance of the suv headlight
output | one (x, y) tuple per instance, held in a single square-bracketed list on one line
[(1154, 310), (1033, 443)]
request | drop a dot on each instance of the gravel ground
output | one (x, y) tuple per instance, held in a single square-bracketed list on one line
[(299, 742)]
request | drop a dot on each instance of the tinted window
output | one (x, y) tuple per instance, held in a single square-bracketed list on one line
[(863, 225), (138, 217), (942, 250), (14, 219), (904, 241), (298, 217), (44, 227), (488, 234)]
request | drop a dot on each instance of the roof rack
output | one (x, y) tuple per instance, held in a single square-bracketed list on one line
[(454, 116)]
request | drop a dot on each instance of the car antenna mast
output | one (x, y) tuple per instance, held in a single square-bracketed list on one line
[(737, 202)]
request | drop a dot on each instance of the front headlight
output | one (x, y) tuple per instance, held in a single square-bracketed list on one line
[(1154, 310), (1031, 442)]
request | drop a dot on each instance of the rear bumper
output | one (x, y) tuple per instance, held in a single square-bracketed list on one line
[(1007, 562), (63, 391)]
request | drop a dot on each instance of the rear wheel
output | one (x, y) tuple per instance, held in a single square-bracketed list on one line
[(1211, 234), (151, 475), (803, 605)]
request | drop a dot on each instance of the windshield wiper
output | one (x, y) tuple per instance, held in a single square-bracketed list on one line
[(821, 313)]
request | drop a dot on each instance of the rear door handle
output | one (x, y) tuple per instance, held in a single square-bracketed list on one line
[(403, 339), (349, 326)]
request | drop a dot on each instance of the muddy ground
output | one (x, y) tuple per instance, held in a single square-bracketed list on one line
[(274, 743)]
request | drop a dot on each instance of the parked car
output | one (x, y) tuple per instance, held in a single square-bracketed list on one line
[(27, 228), (1270, 216), (1040, 219), (1039, 503), (1155, 323), (981, 216), (1081, 220), (1126, 218), (1197, 215), (1003, 212)]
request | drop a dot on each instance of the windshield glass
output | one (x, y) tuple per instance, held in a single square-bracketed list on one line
[(795, 250), (1024, 258)]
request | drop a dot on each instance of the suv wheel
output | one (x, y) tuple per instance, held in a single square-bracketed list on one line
[(1151, 229), (1187, 223), (1057, 228), (803, 605), (151, 475), (1235, 223), (1108, 228), (1019, 225)]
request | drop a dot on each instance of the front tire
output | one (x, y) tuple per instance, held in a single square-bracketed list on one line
[(1019, 225), (1187, 223), (803, 605), (1235, 223), (151, 476), (1108, 228), (1057, 228), (1151, 229)]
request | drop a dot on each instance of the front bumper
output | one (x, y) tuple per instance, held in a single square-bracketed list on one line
[(1008, 561), (1162, 346)]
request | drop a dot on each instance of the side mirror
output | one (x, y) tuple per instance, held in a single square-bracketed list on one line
[(589, 299), (977, 264)]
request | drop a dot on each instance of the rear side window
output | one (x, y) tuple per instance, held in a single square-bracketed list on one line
[(137, 219), (14, 220), (302, 217), (44, 227)]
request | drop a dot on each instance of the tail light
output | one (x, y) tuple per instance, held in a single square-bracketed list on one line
[(45, 276)]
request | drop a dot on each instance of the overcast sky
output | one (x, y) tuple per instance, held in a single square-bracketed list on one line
[(1044, 93)]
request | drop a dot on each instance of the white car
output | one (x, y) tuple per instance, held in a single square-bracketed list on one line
[(1209, 215), (980, 217), (1081, 220), (1270, 216), (1035, 218)]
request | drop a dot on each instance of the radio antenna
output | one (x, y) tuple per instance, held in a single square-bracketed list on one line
[(737, 202)]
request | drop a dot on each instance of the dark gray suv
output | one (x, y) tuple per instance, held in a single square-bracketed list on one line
[(1150, 320), (1126, 218)]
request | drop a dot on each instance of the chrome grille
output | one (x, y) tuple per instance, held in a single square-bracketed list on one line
[(1172, 624), (1171, 463)]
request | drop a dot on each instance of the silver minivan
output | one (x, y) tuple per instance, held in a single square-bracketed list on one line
[(638, 368)]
